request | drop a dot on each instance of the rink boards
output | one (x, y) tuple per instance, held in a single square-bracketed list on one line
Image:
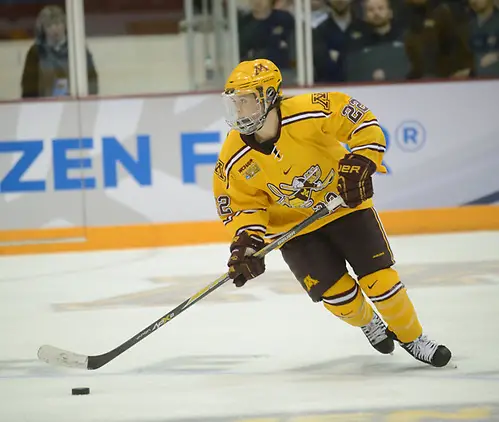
[(137, 171)]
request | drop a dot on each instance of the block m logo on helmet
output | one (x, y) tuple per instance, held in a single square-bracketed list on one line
[(259, 68)]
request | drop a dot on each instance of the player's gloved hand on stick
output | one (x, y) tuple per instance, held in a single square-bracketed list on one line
[(242, 266), (354, 182)]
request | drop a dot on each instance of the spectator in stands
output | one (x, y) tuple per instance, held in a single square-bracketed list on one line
[(381, 27), (319, 10), (331, 40), (380, 49), (485, 34), (437, 41), (319, 13), (46, 67), (266, 33), (286, 5)]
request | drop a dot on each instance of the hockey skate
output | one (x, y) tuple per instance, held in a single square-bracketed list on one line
[(375, 332), (426, 350)]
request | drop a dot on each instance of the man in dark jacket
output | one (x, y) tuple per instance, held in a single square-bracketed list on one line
[(485, 35), (381, 26), (267, 33), (437, 40), (331, 40)]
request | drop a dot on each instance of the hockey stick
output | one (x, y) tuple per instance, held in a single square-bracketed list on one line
[(56, 356)]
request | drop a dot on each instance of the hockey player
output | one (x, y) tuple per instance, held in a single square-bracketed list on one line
[(283, 159)]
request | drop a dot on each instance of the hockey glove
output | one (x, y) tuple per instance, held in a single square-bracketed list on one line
[(354, 182), (242, 266)]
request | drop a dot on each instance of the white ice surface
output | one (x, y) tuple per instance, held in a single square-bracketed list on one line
[(278, 355)]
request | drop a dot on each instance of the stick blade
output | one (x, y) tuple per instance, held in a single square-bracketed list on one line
[(59, 357)]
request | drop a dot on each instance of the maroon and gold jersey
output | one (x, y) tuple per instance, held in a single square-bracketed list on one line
[(269, 188)]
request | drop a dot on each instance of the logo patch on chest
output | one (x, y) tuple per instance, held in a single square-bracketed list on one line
[(249, 170)]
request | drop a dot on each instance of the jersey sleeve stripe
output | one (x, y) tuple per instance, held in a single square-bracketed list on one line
[(233, 160), (253, 227), (374, 147), (304, 115), (364, 125), (231, 217), (250, 211), (273, 235)]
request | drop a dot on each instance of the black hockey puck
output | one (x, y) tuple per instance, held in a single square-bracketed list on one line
[(80, 391)]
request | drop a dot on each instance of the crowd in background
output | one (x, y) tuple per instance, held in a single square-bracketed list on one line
[(353, 40), (380, 40)]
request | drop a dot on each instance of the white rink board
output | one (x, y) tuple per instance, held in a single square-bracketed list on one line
[(150, 160)]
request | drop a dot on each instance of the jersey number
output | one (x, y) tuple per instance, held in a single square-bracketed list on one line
[(223, 202), (354, 110)]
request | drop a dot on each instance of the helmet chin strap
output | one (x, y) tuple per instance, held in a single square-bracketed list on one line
[(260, 124), (275, 104)]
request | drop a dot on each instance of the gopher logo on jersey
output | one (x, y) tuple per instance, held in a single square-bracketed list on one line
[(299, 193)]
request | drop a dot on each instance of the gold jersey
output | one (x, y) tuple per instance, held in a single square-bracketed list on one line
[(269, 188)]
